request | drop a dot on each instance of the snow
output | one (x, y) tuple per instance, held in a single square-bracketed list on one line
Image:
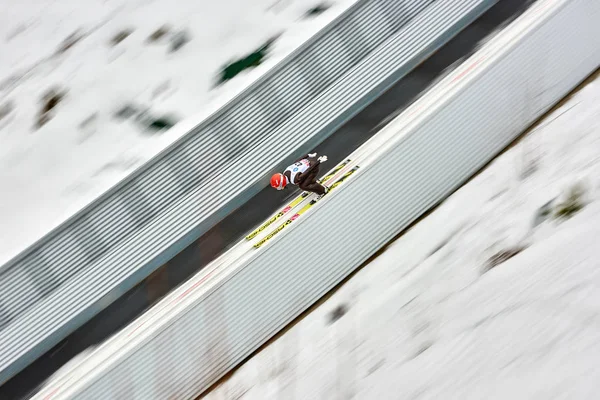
[(428, 319), (50, 173)]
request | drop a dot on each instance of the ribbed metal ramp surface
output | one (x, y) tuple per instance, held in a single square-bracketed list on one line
[(63, 281)]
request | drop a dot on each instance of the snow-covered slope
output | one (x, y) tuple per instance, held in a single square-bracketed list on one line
[(438, 315), (98, 54)]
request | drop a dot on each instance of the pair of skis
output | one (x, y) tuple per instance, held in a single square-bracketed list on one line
[(303, 209)]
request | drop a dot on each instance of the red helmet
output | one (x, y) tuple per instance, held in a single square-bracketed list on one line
[(278, 181)]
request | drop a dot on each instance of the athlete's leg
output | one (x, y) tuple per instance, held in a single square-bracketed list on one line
[(310, 183)]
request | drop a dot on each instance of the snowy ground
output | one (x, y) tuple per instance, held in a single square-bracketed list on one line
[(429, 319), (49, 173)]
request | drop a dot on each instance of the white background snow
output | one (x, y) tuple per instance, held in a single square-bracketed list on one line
[(48, 174), (427, 320)]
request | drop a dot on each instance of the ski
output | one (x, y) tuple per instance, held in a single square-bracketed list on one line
[(304, 209), (294, 203)]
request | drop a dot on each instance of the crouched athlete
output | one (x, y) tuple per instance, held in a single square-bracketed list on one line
[(302, 173)]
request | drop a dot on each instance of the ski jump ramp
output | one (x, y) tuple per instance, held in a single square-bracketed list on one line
[(213, 322), (76, 271)]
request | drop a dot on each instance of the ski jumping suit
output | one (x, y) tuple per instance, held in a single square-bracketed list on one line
[(304, 173)]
